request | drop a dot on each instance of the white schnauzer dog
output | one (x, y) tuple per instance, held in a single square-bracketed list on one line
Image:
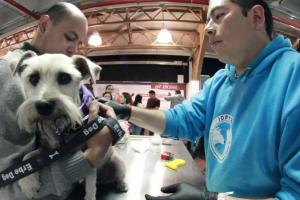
[(51, 84)]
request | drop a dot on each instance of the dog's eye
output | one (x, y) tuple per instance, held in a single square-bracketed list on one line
[(63, 78), (21, 68), (34, 78)]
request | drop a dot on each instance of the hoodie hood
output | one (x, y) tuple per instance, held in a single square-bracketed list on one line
[(275, 48)]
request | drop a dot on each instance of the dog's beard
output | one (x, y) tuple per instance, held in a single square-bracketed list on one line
[(51, 129), (30, 120)]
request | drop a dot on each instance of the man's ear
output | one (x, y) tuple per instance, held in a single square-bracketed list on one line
[(20, 66), (258, 17), (87, 68), (42, 25)]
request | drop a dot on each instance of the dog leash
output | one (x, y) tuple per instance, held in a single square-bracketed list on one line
[(36, 163)]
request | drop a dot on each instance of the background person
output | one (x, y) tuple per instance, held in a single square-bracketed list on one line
[(152, 103), (110, 88), (107, 95), (176, 99), (136, 130), (127, 97)]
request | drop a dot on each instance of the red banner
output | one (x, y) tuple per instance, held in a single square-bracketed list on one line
[(166, 86)]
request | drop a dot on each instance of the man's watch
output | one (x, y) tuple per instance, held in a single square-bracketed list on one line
[(114, 126)]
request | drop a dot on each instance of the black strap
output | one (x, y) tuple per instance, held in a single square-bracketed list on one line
[(36, 163), (116, 130)]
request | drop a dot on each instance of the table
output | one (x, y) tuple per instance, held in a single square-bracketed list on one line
[(146, 173)]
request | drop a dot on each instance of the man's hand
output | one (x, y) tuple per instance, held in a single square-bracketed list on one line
[(183, 191), (122, 111), (99, 144), (96, 108)]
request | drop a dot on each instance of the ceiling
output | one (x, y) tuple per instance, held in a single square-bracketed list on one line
[(131, 27)]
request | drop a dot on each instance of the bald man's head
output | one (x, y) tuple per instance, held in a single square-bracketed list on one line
[(61, 29), (60, 11)]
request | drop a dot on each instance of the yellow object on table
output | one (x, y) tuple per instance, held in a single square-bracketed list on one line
[(175, 164)]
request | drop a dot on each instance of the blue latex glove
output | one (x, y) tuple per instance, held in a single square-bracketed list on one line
[(87, 98)]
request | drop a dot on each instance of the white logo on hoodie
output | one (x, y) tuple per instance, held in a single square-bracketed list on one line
[(220, 136)]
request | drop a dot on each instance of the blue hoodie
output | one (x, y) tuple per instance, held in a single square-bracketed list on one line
[(251, 125)]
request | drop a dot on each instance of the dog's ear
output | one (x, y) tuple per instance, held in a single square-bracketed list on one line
[(95, 69), (87, 68), (19, 68)]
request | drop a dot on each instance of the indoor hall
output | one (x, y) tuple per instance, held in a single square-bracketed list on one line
[(169, 48)]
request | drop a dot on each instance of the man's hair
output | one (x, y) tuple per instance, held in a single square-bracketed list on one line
[(151, 92), (246, 5), (104, 93), (127, 96), (108, 86), (138, 99), (177, 92), (58, 12)]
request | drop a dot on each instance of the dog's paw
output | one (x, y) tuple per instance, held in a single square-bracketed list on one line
[(30, 185), (121, 187)]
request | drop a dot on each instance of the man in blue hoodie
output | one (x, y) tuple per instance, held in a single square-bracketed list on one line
[(248, 113)]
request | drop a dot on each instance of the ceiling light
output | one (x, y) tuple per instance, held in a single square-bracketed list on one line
[(164, 37), (95, 39)]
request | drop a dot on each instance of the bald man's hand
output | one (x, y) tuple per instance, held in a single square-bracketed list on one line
[(122, 111), (100, 143)]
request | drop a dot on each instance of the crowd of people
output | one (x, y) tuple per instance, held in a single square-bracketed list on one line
[(136, 100)]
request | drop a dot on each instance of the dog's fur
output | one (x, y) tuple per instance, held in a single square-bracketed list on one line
[(51, 85)]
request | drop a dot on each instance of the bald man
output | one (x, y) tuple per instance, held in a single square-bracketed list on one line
[(60, 30)]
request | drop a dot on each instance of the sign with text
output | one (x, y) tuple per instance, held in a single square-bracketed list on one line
[(167, 86)]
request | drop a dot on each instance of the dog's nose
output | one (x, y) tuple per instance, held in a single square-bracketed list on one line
[(45, 108)]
